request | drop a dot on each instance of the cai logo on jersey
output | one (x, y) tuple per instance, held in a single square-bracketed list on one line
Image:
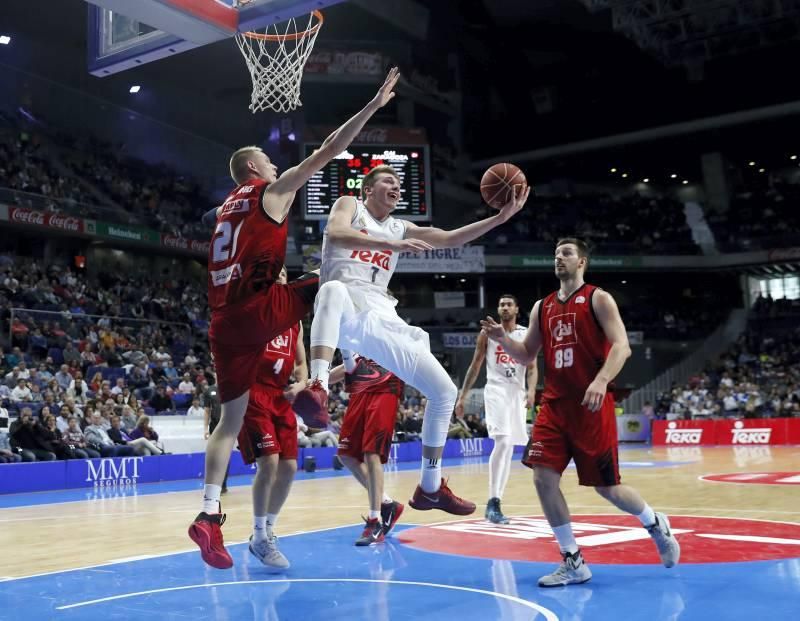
[(501, 357), (280, 344), (241, 205), (562, 330)]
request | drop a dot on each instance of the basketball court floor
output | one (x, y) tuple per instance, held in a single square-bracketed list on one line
[(124, 553)]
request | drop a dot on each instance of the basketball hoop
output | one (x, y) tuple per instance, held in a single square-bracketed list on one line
[(275, 59)]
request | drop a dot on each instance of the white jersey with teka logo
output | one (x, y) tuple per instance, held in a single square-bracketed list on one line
[(372, 268), (502, 368)]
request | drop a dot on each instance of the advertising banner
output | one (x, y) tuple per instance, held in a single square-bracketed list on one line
[(460, 340), (449, 299), (633, 428), (31, 217), (468, 260), (751, 432), (546, 262)]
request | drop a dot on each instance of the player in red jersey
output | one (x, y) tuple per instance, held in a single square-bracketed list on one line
[(268, 436), (585, 345), (366, 437), (248, 307)]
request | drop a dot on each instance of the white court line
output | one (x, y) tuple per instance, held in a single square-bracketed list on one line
[(163, 554), (548, 614)]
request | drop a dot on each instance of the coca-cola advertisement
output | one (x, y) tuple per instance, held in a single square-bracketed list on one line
[(40, 218), (181, 243)]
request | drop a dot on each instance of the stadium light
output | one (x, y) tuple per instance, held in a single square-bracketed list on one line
[(624, 175), (761, 170), (792, 157), (685, 182), (646, 180), (5, 39), (135, 89), (613, 170), (673, 176), (751, 163)]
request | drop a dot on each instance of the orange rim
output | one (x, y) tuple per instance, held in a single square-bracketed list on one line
[(288, 37)]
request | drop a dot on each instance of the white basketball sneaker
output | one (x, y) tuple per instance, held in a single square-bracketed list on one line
[(573, 570), (266, 551), (668, 547)]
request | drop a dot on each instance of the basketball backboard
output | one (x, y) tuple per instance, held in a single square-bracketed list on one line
[(124, 34)]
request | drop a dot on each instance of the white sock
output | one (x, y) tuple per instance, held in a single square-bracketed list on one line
[(272, 519), (500, 466), (320, 370), (648, 516), (565, 538), (386, 498), (374, 515), (211, 495), (349, 360), (431, 476), (259, 527)]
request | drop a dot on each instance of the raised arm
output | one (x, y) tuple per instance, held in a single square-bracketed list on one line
[(341, 233), (607, 313), (278, 194), (472, 372), (336, 375), (439, 238), (524, 351)]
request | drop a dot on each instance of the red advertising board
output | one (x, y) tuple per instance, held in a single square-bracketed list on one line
[(32, 217), (762, 431), (189, 245)]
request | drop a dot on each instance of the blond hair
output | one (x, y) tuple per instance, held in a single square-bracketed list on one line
[(238, 164), (372, 176)]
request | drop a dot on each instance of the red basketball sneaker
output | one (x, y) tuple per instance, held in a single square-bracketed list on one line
[(312, 405), (390, 513), (443, 499), (206, 532)]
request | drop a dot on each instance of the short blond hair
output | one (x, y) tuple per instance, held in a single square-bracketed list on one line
[(238, 164), (371, 177)]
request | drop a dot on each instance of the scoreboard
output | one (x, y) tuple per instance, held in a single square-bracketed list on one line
[(343, 176)]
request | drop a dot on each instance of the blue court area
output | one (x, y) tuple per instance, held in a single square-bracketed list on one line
[(332, 579)]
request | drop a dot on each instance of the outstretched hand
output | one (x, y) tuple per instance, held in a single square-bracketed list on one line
[(517, 202), (492, 329), (411, 245), (386, 91)]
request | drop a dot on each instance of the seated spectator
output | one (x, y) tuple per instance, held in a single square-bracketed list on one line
[(51, 437), (97, 438), (160, 402), (25, 436), (129, 418), (78, 389), (21, 392), (144, 430), (458, 428), (75, 441), (62, 421), (96, 382), (71, 354), (88, 357), (119, 386), (63, 378), (196, 410), (186, 387), (7, 454), (476, 426), (141, 445)]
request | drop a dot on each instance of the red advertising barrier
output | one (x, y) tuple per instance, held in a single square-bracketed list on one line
[(727, 432), (40, 218)]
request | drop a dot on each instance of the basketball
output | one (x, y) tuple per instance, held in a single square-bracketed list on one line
[(499, 181)]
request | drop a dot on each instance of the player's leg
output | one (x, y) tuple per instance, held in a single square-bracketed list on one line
[(597, 463), (333, 306), (548, 453), (499, 469)]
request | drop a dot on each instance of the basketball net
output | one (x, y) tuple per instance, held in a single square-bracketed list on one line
[(275, 59)]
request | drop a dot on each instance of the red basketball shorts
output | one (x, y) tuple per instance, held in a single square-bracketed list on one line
[(368, 425), (269, 427), (565, 430), (239, 333)]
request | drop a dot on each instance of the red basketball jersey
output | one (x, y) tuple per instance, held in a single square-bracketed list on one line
[(575, 346), (247, 250), (277, 361)]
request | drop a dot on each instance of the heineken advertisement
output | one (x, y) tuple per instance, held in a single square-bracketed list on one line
[(123, 231), (546, 262)]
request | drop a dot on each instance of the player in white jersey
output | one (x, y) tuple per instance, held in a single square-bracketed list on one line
[(354, 311), (505, 400)]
